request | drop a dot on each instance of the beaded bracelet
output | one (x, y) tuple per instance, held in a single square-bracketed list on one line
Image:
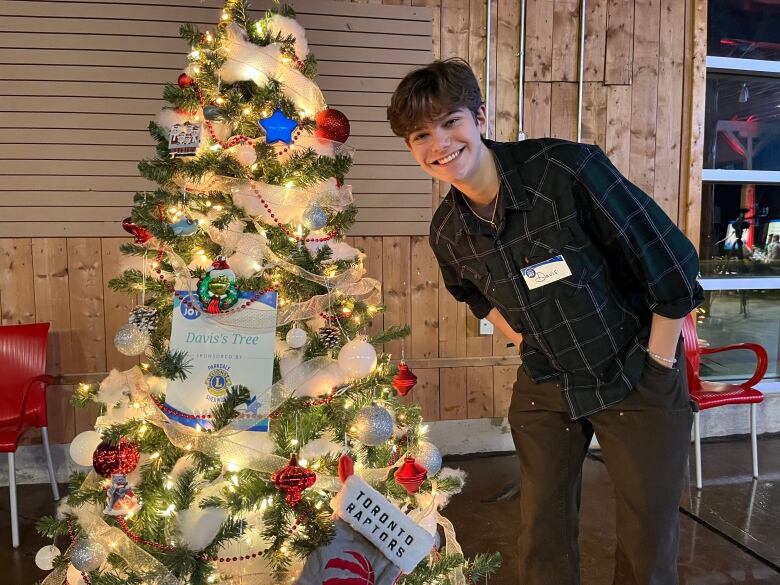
[(660, 358)]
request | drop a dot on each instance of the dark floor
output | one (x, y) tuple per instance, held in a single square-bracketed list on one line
[(730, 532)]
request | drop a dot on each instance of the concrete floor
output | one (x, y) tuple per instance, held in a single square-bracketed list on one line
[(730, 532)]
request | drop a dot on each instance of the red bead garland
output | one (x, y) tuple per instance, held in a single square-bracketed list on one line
[(281, 226)]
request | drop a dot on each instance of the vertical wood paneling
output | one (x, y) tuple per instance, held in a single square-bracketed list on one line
[(452, 394), (85, 286), (619, 42), (455, 29), (426, 392), (618, 136), (477, 40), (538, 40), (396, 276), (537, 110), (50, 269), (669, 115), (507, 69), (117, 305), (424, 341), (479, 391), (594, 114), (503, 378), (644, 98), (595, 39), (563, 104), (565, 38), (696, 77), (17, 293), (62, 416)]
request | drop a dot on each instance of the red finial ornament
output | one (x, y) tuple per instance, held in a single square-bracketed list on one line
[(293, 479), (410, 475), (404, 380), (141, 234)]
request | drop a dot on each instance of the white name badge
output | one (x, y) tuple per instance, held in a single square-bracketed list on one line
[(545, 272)]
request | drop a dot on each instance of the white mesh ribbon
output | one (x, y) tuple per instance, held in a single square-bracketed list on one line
[(427, 514), (249, 62)]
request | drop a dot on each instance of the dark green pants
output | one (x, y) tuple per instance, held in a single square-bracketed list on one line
[(644, 441)]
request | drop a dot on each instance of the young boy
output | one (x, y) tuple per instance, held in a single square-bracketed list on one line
[(583, 271)]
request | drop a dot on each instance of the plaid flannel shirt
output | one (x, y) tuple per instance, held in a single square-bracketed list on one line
[(627, 260)]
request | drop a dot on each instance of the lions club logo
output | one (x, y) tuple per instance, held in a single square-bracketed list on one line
[(218, 381)]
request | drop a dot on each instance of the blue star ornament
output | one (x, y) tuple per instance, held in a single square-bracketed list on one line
[(278, 128)]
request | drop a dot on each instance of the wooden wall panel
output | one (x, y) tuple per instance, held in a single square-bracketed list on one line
[(641, 81)]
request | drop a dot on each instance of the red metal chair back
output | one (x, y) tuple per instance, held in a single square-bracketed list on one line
[(692, 355), (22, 357)]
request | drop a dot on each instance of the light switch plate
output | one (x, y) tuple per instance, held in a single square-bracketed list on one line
[(485, 327)]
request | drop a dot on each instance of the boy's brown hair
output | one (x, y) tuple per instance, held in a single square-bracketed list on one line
[(431, 91)]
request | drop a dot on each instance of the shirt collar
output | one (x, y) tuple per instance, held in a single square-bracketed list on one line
[(513, 194)]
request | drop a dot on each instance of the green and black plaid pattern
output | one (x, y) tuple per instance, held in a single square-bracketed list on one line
[(627, 259)]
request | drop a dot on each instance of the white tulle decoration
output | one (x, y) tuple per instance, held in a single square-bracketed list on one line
[(244, 154), (166, 118), (289, 26), (113, 388), (83, 447), (319, 447), (357, 358), (199, 526), (314, 377), (340, 250), (249, 62)]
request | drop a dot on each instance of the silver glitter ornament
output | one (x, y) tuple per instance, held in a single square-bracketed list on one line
[(130, 340), (87, 555), (428, 455), (372, 425), (315, 217)]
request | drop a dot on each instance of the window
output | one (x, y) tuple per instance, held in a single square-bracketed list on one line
[(740, 223)]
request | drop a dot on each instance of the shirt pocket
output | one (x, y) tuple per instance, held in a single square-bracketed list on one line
[(477, 274)]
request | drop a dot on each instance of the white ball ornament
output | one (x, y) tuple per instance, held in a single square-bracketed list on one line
[(83, 447), (130, 340), (245, 154), (357, 358), (44, 558), (372, 425), (296, 337)]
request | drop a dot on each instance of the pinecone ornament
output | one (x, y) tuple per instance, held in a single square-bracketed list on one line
[(145, 318), (329, 336)]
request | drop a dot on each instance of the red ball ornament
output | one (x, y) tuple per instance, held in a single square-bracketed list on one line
[(111, 459), (404, 380), (332, 125), (185, 81), (410, 475), (293, 479), (141, 234)]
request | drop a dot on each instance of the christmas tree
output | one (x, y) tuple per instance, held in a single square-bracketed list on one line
[(260, 440)]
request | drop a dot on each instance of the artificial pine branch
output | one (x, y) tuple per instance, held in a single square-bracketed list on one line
[(171, 365), (226, 410)]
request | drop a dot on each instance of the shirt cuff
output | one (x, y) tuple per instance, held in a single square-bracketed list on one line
[(480, 306), (679, 308)]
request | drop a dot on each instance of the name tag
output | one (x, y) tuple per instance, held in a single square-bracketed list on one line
[(545, 272)]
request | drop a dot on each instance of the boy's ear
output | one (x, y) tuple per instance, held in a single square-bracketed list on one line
[(481, 119)]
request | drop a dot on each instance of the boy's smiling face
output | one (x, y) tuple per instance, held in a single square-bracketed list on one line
[(448, 148)]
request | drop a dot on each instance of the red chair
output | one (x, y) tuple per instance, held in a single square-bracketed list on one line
[(23, 399), (714, 394)]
